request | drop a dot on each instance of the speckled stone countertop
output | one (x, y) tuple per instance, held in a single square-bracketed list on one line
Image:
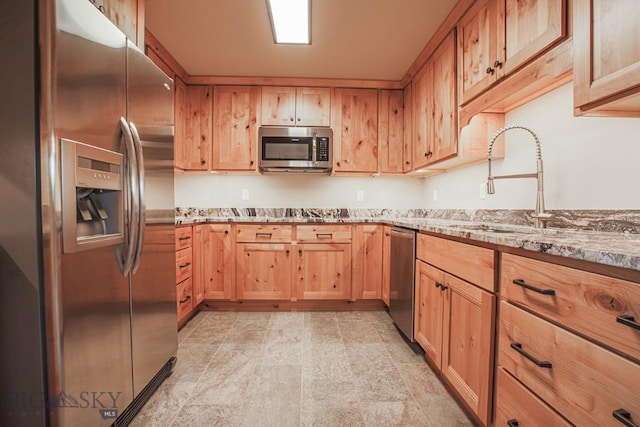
[(605, 237)]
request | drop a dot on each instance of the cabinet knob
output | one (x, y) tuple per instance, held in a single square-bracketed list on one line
[(300, 252), (226, 231), (513, 423), (624, 417), (497, 64), (299, 119), (291, 119), (490, 70), (428, 154)]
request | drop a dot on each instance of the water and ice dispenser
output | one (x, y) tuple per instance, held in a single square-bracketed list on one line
[(92, 197)]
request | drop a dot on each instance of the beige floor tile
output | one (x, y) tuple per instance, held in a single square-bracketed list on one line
[(379, 316), (286, 320), (163, 406), (281, 354), (247, 332), (379, 382), (255, 316), (390, 414), (323, 331), (192, 359), (400, 352), (283, 335), (358, 331), (207, 416), (329, 413), (342, 316)]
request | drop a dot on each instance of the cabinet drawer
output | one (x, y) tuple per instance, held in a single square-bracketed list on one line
[(184, 298), (184, 266), (472, 263), (585, 302), (582, 381), (515, 403), (183, 237), (324, 233), (249, 233)]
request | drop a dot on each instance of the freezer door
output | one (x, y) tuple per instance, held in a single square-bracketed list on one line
[(88, 324), (153, 288)]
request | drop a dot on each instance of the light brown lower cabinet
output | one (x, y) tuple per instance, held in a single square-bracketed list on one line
[(323, 271), (213, 262), (263, 271), (386, 264), (367, 261), (454, 324)]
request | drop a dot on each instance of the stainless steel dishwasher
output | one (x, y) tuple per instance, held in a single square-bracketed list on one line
[(401, 295)]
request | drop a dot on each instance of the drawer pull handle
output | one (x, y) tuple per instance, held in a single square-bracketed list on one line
[(438, 284), (268, 235), (184, 238), (624, 417), (524, 284), (185, 265), (629, 321), (518, 347), (324, 235), (513, 423), (187, 298)]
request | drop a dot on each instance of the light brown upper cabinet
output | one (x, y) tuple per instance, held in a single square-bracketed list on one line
[(124, 14), (407, 131), (296, 106), (391, 130), (495, 37), (193, 127), (354, 120), (434, 109), (606, 57), (235, 130)]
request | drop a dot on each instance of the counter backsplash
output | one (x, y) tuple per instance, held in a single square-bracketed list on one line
[(621, 221)]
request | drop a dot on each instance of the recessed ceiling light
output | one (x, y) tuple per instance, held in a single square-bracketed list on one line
[(290, 21)]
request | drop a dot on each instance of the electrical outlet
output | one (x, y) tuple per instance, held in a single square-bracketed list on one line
[(245, 194), (483, 190), (435, 195), (360, 196)]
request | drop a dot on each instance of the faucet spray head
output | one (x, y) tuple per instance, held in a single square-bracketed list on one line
[(491, 189)]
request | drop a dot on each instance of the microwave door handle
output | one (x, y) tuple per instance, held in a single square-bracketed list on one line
[(314, 158), (141, 197)]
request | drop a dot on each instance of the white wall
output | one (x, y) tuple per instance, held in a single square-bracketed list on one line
[(589, 162), (297, 191)]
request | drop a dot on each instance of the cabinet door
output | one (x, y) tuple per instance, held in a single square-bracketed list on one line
[(386, 264), (278, 106), (367, 249), (355, 130), (124, 14), (606, 52), (235, 130), (263, 271), (313, 106), (422, 150), (212, 275), (324, 271), (429, 309), (530, 28), (407, 131), (390, 131), (179, 116), (195, 142), (478, 48), (467, 350), (443, 121)]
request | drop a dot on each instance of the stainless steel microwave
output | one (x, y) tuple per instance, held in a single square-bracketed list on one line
[(295, 149)]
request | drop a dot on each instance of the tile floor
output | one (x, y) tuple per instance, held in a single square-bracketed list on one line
[(298, 369)]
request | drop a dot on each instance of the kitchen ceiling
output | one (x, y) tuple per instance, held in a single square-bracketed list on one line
[(351, 39)]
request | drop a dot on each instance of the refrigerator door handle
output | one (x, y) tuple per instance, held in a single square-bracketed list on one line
[(141, 195), (132, 199)]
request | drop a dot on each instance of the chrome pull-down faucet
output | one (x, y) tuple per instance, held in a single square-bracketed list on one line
[(540, 217)]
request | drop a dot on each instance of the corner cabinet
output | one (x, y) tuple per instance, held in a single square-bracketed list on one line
[(606, 57), (455, 316), (391, 131), (495, 37), (235, 128), (193, 127), (296, 106), (354, 119)]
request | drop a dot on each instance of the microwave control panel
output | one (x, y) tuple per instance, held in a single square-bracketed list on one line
[(323, 150)]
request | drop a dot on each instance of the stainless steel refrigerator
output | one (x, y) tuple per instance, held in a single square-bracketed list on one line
[(87, 270)]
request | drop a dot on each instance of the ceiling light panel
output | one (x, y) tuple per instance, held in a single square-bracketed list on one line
[(290, 21)]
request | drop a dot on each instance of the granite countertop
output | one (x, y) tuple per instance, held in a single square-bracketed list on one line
[(615, 243)]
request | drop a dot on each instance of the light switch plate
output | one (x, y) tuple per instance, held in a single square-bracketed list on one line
[(435, 195), (245, 194), (483, 190), (360, 195)]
